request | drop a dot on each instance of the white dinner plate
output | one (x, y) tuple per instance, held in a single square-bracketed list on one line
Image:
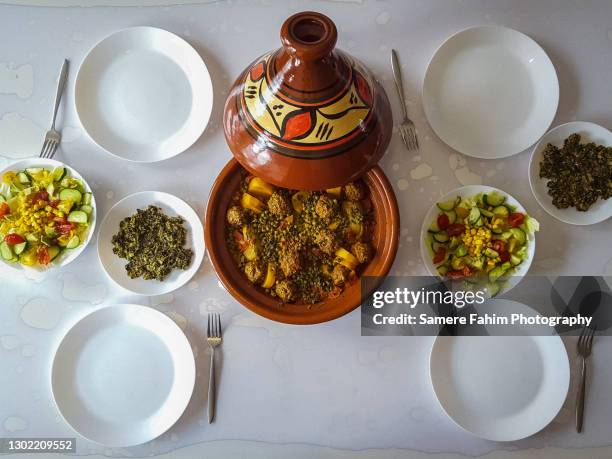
[(589, 132), (143, 94), (468, 192), (490, 92), (123, 375), (172, 206), (501, 388), (66, 256)]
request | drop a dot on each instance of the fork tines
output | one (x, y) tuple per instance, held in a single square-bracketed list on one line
[(213, 329)]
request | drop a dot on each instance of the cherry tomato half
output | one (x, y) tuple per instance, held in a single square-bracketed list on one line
[(454, 274), (439, 256), (455, 229), (466, 271), (443, 221), (504, 256), (40, 196), (64, 228), (14, 238), (499, 245), (4, 209), (516, 219), (42, 254)]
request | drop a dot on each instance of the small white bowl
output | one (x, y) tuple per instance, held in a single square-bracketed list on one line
[(589, 132), (172, 206), (67, 255), (468, 192)]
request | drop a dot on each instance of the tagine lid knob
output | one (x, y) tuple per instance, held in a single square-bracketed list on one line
[(307, 116)]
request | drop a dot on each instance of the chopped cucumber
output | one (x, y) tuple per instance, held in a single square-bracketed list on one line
[(493, 288), (87, 208), (434, 228), (473, 216), (87, 199), (18, 248), (479, 222), (505, 235), (449, 205), (68, 194), (493, 199), (486, 213), (442, 270), (31, 237), (457, 263), (461, 250), (77, 216), (497, 230), (514, 260), (436, 245), (23, 177), (50, 189), (73, 242), (496, 273), (519, 235), (54, 251), (59, 173), (501, 211), (477, 263), (441, 236), (452, 216), (32, 171), (6, 251), (490, 253)]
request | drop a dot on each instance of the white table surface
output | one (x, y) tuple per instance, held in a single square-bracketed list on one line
[(287, 391)]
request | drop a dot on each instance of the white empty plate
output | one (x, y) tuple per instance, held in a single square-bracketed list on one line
[(501, 388), (589, 132), (490, 92), (172, 206), (143, 94), (123, 375)]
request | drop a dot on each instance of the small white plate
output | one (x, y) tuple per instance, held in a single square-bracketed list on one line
[(172, 206), (144, 94), (468, 192), (123, 375), (501, 388), (66, 256), (490, 92), (589, 132)]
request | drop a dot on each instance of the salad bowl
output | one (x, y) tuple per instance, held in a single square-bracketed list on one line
[(80, 217), (503, 274)]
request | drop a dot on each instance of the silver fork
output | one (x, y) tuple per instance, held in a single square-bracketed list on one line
[(52, 137), (585, 345), (214, 338), (406, 128)]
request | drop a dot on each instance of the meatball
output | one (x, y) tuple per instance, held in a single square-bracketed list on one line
[(362, 251), (236, 216), (327, 241), (286, 290), (355, 191), (279, 204), (340, 274), (254, 272), (325, 207), (290, 262)]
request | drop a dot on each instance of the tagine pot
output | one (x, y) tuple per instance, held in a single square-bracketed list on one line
[(307, 116)]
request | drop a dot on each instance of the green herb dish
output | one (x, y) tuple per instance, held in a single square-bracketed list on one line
[(46, 214), (480, 238)]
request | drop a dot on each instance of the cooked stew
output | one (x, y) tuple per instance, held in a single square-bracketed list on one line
[(300, 246)]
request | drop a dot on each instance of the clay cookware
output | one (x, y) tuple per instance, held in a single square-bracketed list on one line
[(305, 117)]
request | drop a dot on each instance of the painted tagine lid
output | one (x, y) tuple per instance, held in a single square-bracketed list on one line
[(307, 116)]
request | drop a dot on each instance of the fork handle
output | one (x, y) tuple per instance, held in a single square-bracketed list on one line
[(580, 400), (397, 77), (212, 388), (60, 90)]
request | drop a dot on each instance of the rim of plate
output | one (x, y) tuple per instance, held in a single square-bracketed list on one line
[(445, 42), (463, 191), (545, 422), (193, 223), (176, 329), (538, 185), (65, 259), (200, 124)]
